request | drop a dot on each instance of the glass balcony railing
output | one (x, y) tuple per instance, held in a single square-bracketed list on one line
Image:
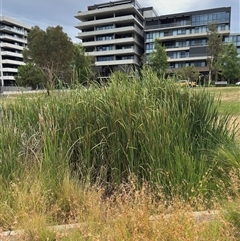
[(187, 55), (13, 37), (13, 30), (186, 45), (168, 25)]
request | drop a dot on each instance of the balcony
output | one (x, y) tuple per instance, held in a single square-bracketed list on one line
[(13, 30), (112, 52), (8, 78), (187, 58), (126, 9), (113, 20), (109, 42), (13, 62), (11, 70), (110, 31), (14, 38), (183, 47), (116, 62), (12, 46), (168, 25), (12, 54)]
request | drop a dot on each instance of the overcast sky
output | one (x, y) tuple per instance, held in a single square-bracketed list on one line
[(44, 13)]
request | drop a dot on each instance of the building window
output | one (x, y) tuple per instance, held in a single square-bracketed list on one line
[(104, 37), (149, 35), (181, 31), (105, 48), (200, 63), (127, 57), (105, 58), (103, 27), (149, 46), (203, 19)]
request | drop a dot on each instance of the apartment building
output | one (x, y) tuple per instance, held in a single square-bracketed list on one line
[(13, 37), (234, 38), (118, 33), (113, 33), (184, 35)]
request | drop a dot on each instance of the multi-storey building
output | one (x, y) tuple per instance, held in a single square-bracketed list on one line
[(184, 35), (118, 33), (234, 38), (13, 38), (113, 34)]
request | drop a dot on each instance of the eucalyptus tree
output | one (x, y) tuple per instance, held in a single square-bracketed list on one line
[(82, 65), (229, 62), (158, 59), (215, 47), (50, 50), (30, 75)]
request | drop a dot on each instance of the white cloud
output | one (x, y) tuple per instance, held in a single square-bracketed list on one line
[(46, 13), (177, 6)]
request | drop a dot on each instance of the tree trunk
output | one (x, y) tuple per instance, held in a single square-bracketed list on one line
[(50, 81), (210, 71), (209, 77)]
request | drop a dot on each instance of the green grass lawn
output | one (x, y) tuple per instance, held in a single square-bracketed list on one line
[(230, 99)]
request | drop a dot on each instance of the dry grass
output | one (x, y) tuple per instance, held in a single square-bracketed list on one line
[(128, 214)]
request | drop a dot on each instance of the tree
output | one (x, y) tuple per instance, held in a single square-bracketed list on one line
[(30, 75), (82, 71), (50, 50), (229, 62), (215, 47), (158, 59), (188, 73)]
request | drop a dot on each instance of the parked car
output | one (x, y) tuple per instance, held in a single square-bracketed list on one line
[(238, 83), (186, 83)]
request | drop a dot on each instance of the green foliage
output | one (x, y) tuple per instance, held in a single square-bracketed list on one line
[(30, 75), (215, 47), (82, 72), (50, 50), (188, 73), (158, 59), (162, 134), (229, 62)]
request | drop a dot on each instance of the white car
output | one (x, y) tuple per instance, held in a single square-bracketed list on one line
[(238, 83)]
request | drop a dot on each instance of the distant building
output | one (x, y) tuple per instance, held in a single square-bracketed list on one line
[(113, 34), (13, 38), (118, 33), (184, 35), (235, 38)]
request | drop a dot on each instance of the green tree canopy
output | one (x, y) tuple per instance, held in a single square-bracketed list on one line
[(158, 59), (229, 62), (30, 75), (188, 73), (215, 47), (82, 71), (50, 50)]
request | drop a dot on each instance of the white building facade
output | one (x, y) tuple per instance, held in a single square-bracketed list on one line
[(113, 34), (13, 39)]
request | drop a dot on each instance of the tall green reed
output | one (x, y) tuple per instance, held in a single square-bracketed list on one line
[(146, 127)]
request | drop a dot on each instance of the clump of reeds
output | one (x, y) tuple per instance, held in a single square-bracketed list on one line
[(171, 138), (149, 127)]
